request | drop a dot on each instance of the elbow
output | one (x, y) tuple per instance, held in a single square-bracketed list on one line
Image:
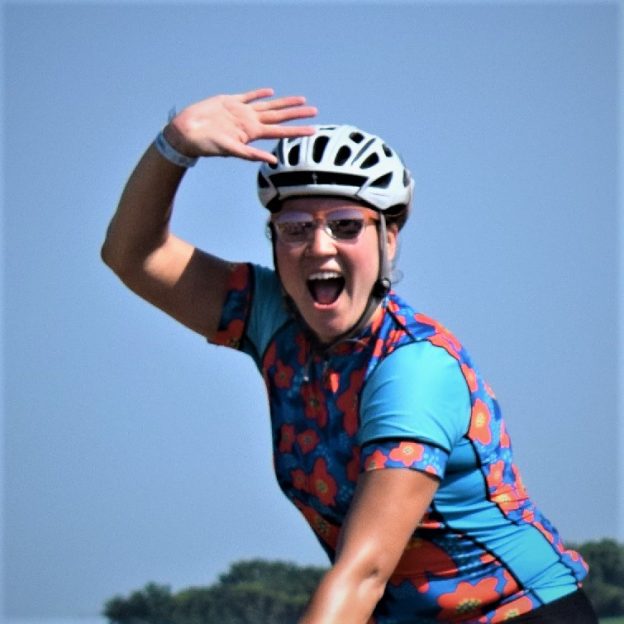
[(106, 255), (110, 258), (118, 262), (375, 584), (367, 580)]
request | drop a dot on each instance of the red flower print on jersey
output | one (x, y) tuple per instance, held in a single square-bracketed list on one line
[(495, 475), (326, 531), (470, 376), (394, 336), (239, 276), (353, 467), (511, 586), (313, 404), (323, 485), (376, 320), (480, 423), (528, 516), (545, 532), (342, 348), (283, 375), (287, 438), (442, 340), (270, 356), (308, 440), (348, 402), (379, 348), (512, 609), (509, 496), (376, 461), (422, 557), (489, 391), (467, 599), (442, 337), (505, 440), (301, 350), (407, 453), (231, 335), (299, 480)]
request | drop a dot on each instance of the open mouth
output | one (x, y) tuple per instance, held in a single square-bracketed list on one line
[(325, 286)]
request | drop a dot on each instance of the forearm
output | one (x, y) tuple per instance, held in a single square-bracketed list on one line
[(386, 509), (345, 597), (141, 223)]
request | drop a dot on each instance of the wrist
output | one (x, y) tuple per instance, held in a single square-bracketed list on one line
[(168, 145)]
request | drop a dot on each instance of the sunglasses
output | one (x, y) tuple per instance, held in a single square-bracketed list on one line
[(345, 224)]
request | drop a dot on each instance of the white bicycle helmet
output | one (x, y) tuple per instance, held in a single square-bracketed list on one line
[(338, 160)]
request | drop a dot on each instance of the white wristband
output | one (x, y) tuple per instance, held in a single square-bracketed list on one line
[(171, 154)]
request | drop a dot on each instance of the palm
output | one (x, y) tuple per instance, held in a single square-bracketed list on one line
[(225, 125)]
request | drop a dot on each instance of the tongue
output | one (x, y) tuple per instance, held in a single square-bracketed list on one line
[(326, 291)]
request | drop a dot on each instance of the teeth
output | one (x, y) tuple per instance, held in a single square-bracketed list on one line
[(324, 275)]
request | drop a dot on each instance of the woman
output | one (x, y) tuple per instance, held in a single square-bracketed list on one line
[(386, 437)]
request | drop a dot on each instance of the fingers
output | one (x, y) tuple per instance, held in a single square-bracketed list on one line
[(288, 114), (285, 102), (255, 94), (253, 153), (284, 132), (279, 103)]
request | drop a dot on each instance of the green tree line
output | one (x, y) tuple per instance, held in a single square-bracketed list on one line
[(270, 592)]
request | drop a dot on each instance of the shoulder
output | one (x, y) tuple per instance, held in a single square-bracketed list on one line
[(416, 392)]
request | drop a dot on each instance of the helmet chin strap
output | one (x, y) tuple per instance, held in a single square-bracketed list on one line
[(380, 289)]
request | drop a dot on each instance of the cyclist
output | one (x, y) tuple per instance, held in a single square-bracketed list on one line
[(386, 437)]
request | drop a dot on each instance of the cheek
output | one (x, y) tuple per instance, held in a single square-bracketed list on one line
[(285, 264), (366, 262)]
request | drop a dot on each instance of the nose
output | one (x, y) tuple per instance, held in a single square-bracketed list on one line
[(321, 244)]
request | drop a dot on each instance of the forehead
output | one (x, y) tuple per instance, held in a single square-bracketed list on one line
[(314, 205)]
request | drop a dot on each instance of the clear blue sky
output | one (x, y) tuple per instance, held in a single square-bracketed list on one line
[(135, 452)]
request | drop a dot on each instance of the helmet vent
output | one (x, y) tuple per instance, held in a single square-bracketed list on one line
[(387, 151), (406, 178), (373, 159), (342, 156), (262, 183), (356, 137), (319, 148), (384, 181), (293, 155), (313, 178)]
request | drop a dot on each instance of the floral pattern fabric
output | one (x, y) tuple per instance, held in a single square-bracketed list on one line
[(483, 552)]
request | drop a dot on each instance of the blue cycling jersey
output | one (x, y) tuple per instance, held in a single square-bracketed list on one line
[(403, 394)]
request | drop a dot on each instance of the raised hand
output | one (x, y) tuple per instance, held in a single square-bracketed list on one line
[(225, 125)]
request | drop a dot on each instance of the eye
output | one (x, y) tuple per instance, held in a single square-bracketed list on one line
[(346, 229), (294, 230)]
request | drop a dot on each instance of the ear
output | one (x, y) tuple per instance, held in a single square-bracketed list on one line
[(392, 240)]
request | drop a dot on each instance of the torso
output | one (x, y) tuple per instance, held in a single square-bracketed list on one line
[(483, 552)]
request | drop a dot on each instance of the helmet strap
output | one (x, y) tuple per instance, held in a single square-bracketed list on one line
[(384, 281)]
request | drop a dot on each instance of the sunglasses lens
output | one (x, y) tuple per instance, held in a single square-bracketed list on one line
[(294, 231), (345, 229), (299, 227)]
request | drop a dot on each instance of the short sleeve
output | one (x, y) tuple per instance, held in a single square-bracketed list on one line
[(414, 409), (235, 307), (252, 312)]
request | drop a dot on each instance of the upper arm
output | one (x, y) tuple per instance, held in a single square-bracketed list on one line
[(175, 276), (417, 393), (385, 512), (188, 284)]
